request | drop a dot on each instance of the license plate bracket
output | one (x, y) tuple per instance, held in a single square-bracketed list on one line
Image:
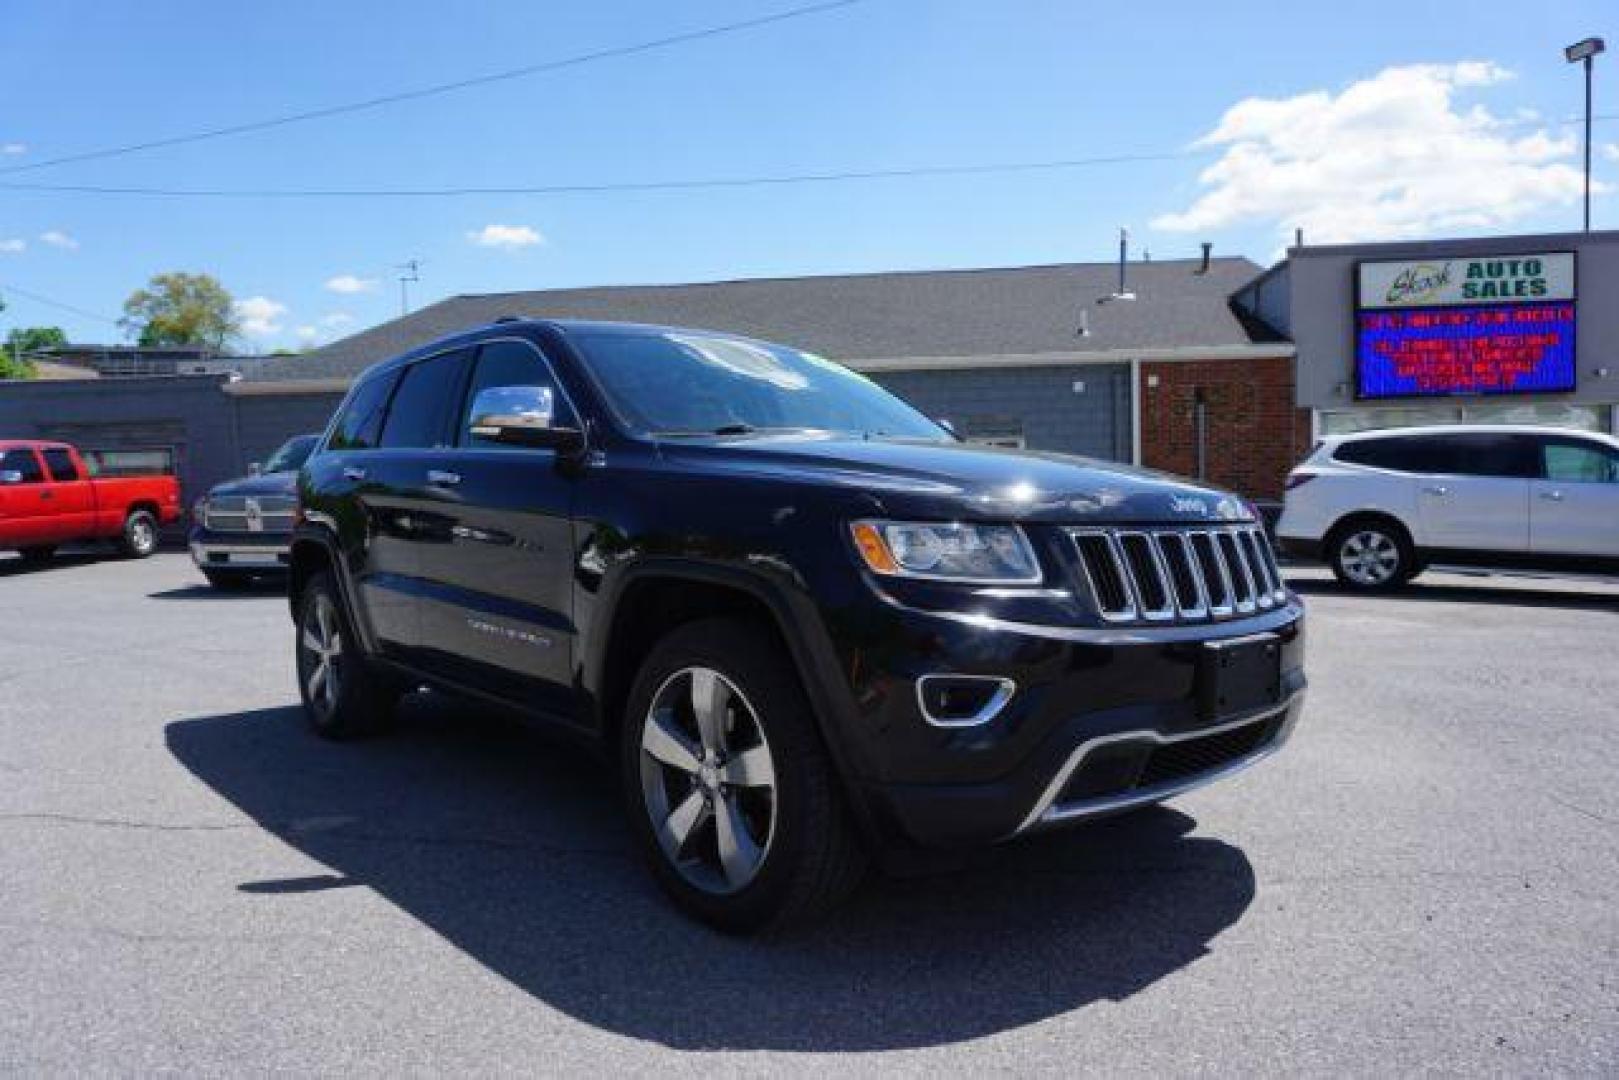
[(1239, 675)]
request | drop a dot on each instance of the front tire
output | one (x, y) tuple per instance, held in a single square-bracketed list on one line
[(139, 538), (732, 797), (1371, 555), (342, 696)]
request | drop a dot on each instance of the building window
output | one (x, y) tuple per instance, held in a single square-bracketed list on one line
[(1550, 414), (1005, 442)]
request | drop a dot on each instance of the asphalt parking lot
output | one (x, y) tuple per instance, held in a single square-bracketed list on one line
[(1425, 879)]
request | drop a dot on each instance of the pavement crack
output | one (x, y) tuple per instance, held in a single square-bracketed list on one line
[(123, 823), (1582, 811)]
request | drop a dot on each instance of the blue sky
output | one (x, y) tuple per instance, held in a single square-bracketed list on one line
[(881, 84)]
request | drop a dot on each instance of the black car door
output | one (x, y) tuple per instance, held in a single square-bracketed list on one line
[(358, 486), (402, 503), (497, 612)]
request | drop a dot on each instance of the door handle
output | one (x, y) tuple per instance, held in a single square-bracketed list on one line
[(1436, 489), (440, 478), (1552, 496), (47, 494), (351, 473)]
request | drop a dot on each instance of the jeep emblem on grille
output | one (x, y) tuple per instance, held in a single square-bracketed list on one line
[(1182, 505), (254, 515)]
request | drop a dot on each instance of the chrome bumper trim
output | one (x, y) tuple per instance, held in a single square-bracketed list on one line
[(1047, 812), (239, 554)]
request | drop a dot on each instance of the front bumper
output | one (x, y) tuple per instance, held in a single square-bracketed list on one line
[(240, 551), (1102, 721)]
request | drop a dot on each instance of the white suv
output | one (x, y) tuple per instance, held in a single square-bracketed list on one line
[(1380, 506)]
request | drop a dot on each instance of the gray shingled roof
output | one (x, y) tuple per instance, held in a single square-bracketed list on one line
[(1018, 310)]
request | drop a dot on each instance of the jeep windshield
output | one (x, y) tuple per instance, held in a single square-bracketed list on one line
[(685, 384)]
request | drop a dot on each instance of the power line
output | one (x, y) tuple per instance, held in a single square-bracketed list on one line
[(440, 88), (683, 184), (48, 302), (603, 188)]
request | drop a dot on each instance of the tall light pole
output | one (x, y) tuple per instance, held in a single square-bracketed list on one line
[(1584, 52)]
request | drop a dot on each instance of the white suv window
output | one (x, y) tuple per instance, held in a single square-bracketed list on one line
[(1572, 461)]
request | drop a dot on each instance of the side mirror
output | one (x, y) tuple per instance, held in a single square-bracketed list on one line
[(10, 476), (255, 468), (521, 416)]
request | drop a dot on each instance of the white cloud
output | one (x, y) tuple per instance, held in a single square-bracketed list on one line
[(1611, 151), (349, 284), (505, 236), (13, 246), (13, 148), (58, 239), (337, 318), (307, 333), (259, 315), (1389, 156)]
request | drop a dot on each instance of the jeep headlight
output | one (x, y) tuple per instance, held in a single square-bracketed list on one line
[(199, 510), (947, 551)]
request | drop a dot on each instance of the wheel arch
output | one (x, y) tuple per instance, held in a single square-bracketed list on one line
[(1367, 515), (649, 600), (314, 549)]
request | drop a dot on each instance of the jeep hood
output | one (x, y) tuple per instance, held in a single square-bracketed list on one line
[(960, 479)]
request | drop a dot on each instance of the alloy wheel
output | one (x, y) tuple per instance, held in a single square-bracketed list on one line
[(142, 536), (321, 643), (708, 780), (1369, 557)]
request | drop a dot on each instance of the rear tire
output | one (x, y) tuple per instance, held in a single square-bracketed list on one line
[(343, 696), (139, 538), (1371, 555), (734, 803), (38, 554)]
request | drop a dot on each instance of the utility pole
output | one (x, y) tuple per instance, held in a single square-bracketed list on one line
[(412, 272), (1583, 52)]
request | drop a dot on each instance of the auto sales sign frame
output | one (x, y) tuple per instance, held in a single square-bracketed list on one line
[(1487, 324)]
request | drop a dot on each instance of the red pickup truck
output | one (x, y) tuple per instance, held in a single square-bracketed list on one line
[(49, 496)]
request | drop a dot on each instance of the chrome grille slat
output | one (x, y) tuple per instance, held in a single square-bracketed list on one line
[(1212, 572)]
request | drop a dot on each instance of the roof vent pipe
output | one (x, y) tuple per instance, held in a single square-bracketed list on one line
[(1208, 250), (1123, 292)]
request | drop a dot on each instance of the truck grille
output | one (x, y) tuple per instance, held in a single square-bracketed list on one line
[(1178, 575), (251, 514)]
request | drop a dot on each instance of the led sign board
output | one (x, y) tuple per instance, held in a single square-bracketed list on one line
[(1485, 325)]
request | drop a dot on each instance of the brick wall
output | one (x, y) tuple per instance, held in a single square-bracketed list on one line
[(1255, 432)]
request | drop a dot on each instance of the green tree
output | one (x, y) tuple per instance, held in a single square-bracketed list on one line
[(181, 309), (14, 359), (11, 368)]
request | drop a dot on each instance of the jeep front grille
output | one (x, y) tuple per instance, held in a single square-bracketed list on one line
[(1178, 575)]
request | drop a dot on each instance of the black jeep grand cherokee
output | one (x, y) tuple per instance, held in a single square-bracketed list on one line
[(809, 624)]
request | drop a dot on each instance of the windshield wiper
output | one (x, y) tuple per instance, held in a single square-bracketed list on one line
[(739, 428)]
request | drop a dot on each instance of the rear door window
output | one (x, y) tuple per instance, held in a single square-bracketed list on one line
[(22, 460), (420, 413), (1494, 454), (60, 462), (361, 423)]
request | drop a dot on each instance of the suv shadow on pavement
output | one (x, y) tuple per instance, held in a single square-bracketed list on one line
[(493, 836), (1494, 594)]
